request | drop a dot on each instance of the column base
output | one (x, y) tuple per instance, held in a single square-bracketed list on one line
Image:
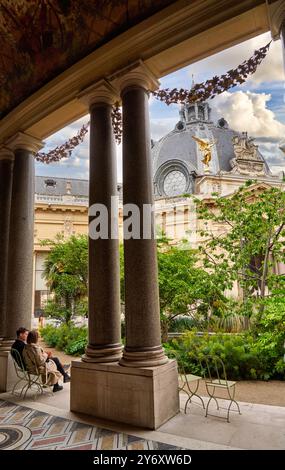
[(8, 375), (5, 344), (146, 397), (111, 354), (148, 358)]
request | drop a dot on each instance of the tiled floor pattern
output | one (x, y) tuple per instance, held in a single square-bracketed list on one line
[(25, 428)]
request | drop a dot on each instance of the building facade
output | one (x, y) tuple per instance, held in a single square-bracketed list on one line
[(179, 168)]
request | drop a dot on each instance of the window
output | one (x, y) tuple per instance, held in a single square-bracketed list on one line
[(175, 183)]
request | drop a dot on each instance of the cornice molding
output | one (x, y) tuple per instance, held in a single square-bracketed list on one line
[(45, 207)]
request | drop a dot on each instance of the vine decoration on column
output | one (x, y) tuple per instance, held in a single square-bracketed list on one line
[(199, 92)]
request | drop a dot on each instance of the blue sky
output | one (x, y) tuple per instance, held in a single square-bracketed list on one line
[(257, 106)]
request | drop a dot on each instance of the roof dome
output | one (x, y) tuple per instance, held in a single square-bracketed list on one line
[(178, 157)]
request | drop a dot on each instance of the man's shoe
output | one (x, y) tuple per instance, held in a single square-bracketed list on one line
[(66, 378), (57, 388)]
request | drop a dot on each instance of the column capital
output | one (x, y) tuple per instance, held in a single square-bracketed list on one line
[(100, 92), (276, 14), (136, 74), (23, 141), (6, 154)]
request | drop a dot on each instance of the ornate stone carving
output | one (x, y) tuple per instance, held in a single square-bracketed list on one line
[(244, 147), (247, 161), (68, 226)]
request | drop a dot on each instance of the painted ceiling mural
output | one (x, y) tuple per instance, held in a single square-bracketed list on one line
[(41, 38)]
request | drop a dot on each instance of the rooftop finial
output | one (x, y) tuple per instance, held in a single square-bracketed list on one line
[(193, 81)]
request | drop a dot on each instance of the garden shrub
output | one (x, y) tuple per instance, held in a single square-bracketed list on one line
[(242, 354), (72, 340)]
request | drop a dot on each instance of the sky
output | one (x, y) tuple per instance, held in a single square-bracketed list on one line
[(257, 106)]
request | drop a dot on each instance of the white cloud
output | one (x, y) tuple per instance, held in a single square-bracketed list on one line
[(247, 111), (272, 67), (160, 127), (273, 155)]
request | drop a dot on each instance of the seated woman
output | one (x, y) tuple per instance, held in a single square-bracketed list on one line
[(38, 361)]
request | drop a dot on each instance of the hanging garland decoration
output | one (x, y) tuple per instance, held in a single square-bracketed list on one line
[(117, 123), (215, 86), (64, 150), (199, 92)]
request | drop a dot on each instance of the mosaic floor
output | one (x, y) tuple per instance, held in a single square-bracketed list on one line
[(24, 428)]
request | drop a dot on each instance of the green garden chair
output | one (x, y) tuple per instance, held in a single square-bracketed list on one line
[(188, 383), (215, 377)]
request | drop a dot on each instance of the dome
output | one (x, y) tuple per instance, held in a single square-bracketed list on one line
[(179, 157)]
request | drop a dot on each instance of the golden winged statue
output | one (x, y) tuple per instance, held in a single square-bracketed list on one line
[(205, 148)]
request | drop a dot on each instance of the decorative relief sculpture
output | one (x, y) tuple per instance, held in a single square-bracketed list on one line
[(68, 226), (247, 161), (245, 148)]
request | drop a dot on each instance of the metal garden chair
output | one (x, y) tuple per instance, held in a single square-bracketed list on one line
[(29, 380), (215, 377), (188, 383)]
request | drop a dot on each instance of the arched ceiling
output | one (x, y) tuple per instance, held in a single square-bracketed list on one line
[(53, 50), (41, 38)]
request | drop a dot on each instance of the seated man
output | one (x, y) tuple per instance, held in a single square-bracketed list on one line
[(19, 344)]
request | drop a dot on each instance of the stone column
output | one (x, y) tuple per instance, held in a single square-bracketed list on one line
[(21, 238), (6, 174), (283, 38), (143, 336), (276, 15), (137, 395), (104, 329)]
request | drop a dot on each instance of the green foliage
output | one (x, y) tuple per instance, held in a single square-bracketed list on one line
[(66, 274), (182, 323), (252, 242), (184, 287), (54, 309), (235, 352), (81, 307), (232, 323), (249, 355), (72, 340), (270, 336)]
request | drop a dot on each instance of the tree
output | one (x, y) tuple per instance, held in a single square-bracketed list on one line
[(66, 274), (184, 287), (250, 243)]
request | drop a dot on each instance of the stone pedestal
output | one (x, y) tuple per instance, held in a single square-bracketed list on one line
[(144, 397), (7, 372)]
